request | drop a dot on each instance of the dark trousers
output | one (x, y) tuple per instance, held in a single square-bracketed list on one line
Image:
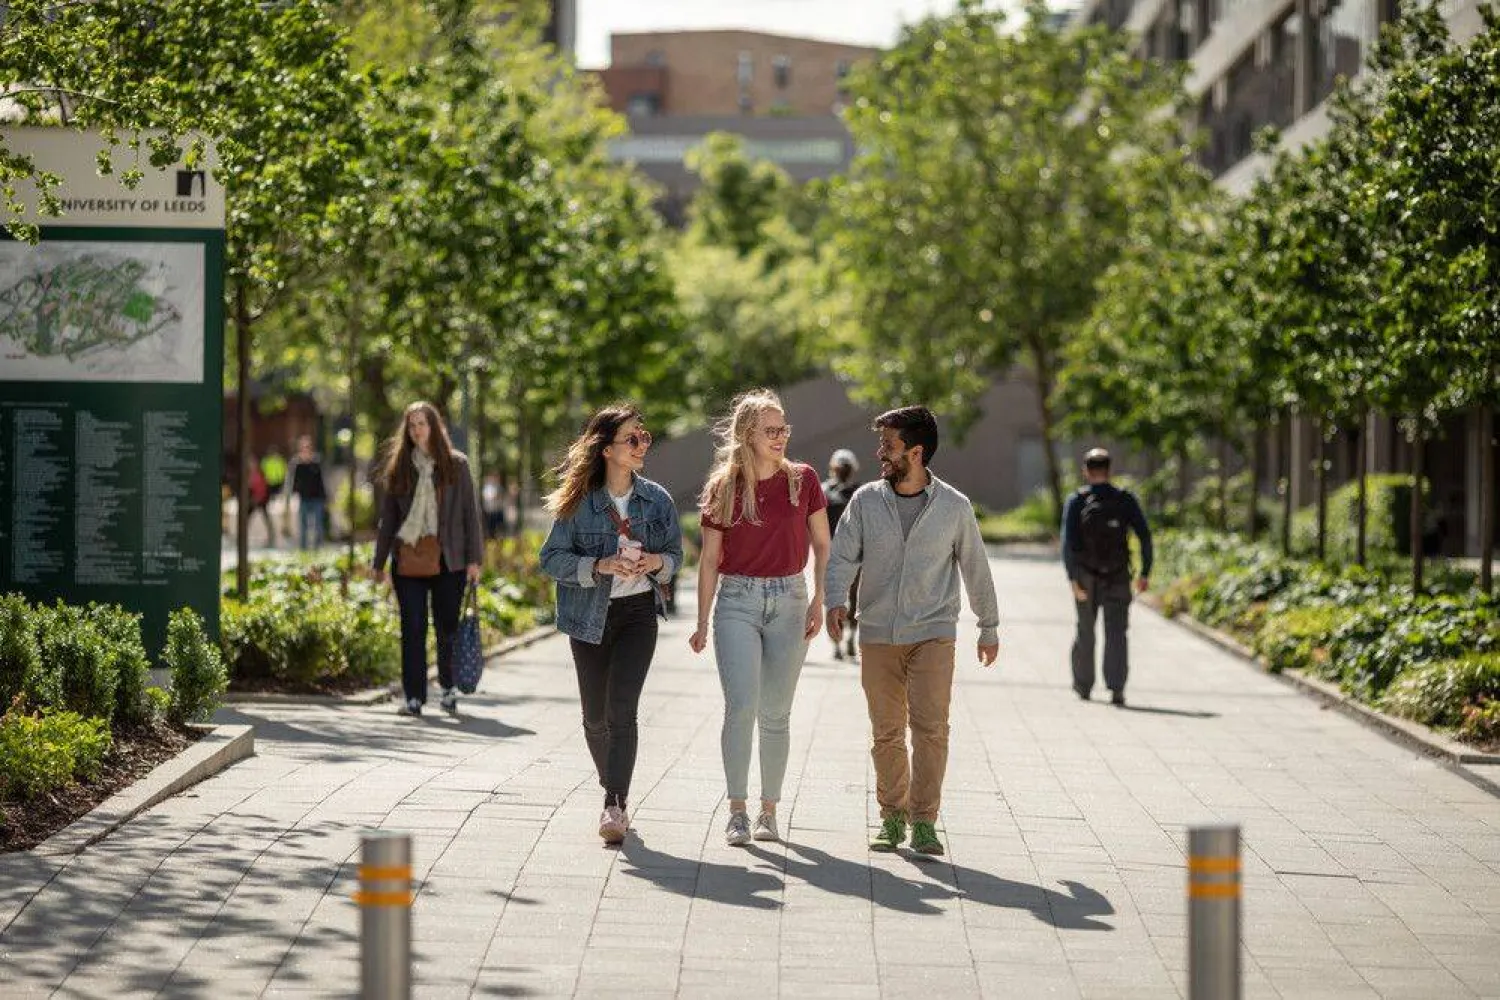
[(447, 596), (610, 678), (1113, 596)]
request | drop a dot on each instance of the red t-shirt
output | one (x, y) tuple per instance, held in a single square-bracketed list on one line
[(778, 545)]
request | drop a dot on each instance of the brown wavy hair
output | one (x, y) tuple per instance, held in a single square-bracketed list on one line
[(399, 475), (581, 471)]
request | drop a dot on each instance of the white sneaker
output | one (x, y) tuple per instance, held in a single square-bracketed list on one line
[(450, 699), (737, 833), (765, 827), (413, 706), (613, 825)]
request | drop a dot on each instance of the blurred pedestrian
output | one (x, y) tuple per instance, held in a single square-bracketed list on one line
[(838, 488), (312, 493), (1096, 523), (429, 521)]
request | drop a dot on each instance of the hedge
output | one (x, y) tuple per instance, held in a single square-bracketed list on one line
[(1429, 656)]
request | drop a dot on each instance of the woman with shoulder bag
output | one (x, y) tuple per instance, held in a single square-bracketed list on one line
[(429, 522), (759, 514), (615, 540)]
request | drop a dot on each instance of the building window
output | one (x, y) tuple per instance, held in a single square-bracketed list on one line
[(643, 105), (781, 67), (745, 72), (841, 68), (656, 58)]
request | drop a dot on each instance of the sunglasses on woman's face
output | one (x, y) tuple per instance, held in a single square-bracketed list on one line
[(636, 439)]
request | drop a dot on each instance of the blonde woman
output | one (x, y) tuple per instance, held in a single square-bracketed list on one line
[(759, 512), (615, 540), (430, 518)]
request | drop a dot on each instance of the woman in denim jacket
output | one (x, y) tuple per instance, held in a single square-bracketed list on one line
[(615, 540), (760, 512)]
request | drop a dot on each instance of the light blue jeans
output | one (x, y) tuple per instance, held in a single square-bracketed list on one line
[(759, 624)]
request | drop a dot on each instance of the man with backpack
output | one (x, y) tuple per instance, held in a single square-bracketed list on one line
[(837, 489), (1096, 524)]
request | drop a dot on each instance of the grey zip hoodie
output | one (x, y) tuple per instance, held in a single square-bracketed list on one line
[(909, 590)]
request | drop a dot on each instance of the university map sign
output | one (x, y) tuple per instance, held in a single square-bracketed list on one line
[(111, 368)]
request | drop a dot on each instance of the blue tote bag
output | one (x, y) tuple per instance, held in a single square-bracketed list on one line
[(468, 650)]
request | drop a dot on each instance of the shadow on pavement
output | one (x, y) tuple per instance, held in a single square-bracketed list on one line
[(756, 887), (732, 885), (1186, 713), (362, 732)]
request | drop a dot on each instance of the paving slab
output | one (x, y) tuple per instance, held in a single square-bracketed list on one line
[(1370, 870)]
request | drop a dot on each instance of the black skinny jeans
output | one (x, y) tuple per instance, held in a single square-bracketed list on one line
[(412, 592), (610, 678)]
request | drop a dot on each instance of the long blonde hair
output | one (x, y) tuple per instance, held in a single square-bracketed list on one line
[(733, 460), (581, 471)]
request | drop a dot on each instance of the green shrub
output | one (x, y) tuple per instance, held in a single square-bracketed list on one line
[(374, 650), (364, 506), (1297, 638), (317, 634), (121, 632), (198, 674), (1378, 642), (81, 658), (1481, 723), (1033, 520), (19, 656), (1384, 530), (39, 754), (1437, 694), (502, 613), (159, 701)]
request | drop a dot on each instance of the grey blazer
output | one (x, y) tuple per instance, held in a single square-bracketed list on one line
[(459, 531)]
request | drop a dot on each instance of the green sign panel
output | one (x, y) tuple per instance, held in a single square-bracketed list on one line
[(111, 410)]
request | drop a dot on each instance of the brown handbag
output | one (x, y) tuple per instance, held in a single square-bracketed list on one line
[(425, 558)]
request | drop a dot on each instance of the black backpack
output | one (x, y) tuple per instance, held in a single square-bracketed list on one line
[(1103, 547), (837, 494)]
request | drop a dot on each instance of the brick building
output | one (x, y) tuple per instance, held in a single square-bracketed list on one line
[(726, 73)]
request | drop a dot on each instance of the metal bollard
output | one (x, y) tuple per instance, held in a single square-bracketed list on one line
[(384, 899), (1214, 913)]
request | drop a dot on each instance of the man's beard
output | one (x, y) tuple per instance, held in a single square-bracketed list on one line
[(899, 469)]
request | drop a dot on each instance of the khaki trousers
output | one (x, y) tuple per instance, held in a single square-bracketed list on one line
[(909, 685)]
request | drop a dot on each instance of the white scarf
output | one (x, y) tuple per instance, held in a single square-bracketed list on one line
[(422, 519)]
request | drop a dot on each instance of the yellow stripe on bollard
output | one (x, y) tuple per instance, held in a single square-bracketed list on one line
[(383, 898), (1214, 866), (368, 873), (1213, 890)]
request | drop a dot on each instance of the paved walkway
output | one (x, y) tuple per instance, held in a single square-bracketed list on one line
[(1369, 870)]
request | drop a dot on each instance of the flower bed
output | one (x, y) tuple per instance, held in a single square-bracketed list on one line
[(81, 719), (299, 631), (1432, 657)]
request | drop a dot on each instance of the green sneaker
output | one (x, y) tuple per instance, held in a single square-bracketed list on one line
[(924, 838), (892, 833)]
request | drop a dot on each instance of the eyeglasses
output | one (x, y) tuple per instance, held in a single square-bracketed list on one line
[(636, 439), (777, 433)]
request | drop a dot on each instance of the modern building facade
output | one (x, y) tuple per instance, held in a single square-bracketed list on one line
[(1275, 63), (723, 73), (781, 94)]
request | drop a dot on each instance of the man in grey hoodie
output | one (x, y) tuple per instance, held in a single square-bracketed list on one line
[(913, 536)]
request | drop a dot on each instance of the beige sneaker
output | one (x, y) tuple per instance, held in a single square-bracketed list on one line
[(613, 825), (765, 827)]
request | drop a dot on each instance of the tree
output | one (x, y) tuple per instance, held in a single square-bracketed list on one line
[(988, 199)]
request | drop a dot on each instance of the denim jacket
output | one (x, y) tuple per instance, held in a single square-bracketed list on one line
[(576, 543)]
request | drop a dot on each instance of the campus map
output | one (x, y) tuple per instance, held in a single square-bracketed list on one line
[(101, 312)]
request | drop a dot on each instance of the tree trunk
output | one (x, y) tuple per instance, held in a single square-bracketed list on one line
[(1252, 508), (1223, 513), (1149, 498), (372, 375), (1362, 495), (1183, 485), (352, 365), (1418, 460), (447, 385), (1486, 497), (1322, 488), (523, 445), (1286, 485), (242, 442), (1044, 379)]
